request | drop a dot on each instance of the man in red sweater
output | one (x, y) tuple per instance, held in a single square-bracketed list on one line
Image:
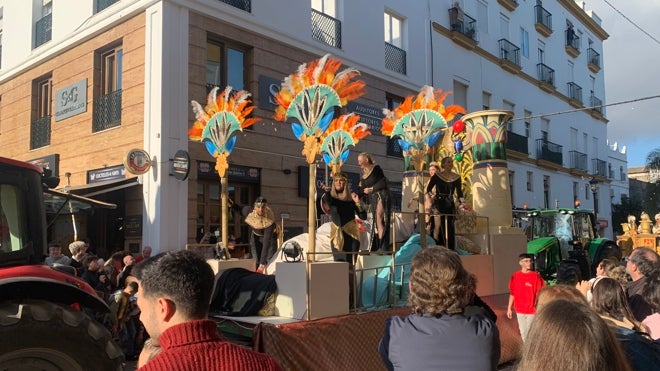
[(174, 296), (524, 286)]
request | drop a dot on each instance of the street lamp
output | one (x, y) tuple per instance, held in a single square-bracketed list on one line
[(593, 184)]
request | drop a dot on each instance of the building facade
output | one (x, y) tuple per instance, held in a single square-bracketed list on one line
[(81, 87)]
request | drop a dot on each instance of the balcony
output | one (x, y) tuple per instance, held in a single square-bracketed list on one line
[(463, 31), (543, 21), (593, 58), (240, 4), (518, 143), (40, 132), (548, 152), (43, 30), (326, 29), (102, 4), (578, 161), (395, 58), (546, 76), (574, 95), (596, 107), (572, 43), (509, 56), (599, 167), (107, 111), (509, 5)]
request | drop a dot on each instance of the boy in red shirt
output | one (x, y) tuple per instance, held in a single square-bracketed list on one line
[(524, 285)]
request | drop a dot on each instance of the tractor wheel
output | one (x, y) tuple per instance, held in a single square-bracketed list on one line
[(568, 272), (39, 335)]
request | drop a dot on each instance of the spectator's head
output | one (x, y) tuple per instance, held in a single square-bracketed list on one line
[(175, 287), (642, 262), (146, 252), (54, 250), (438, 282), (131, 288), (651, 292), (568, 335), (91, 262), (605, 266), (526, 261), (609, 299), (619, 274), (77, 248), (129, 259), (559, 291)]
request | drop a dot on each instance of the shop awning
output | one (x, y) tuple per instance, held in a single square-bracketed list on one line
[(95, 189), (68, 203)]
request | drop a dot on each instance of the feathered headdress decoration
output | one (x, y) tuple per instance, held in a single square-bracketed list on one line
[(419, 122), (309, 97), (217, 123), (343, 132)]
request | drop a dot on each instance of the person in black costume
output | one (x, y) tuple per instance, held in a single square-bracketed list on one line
[(343, 205), (444, 186), (262, 236), (373, 189)]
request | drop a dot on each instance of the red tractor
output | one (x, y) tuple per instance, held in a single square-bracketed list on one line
[(48, 317)]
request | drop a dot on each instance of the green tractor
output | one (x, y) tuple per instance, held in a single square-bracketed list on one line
[(566, 244)]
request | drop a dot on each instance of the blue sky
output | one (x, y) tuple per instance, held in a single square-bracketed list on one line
[(630, 60)]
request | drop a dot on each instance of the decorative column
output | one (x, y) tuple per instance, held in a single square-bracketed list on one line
[(490, 174)]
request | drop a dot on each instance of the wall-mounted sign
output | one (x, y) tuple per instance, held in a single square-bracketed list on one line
[(71, 100), (133, 226), (180, 165), (106, 173), (51, 162), (268, 87), (372, 116), (137, 161), (303, 180), (235, 173)]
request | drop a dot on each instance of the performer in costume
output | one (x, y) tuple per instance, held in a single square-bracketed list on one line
[(445, 185), (373, 188), (343, 205), (262, 237)]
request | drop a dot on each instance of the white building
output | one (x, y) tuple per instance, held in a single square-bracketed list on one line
[(138, 63)]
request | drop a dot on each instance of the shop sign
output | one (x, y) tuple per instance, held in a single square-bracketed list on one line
[(180, 165), (106, 173), (235, 173), (71, 100), (268, 88), (133, 226), (137, 161), (50, 162)]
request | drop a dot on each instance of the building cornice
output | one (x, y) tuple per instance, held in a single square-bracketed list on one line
[(584, 18)]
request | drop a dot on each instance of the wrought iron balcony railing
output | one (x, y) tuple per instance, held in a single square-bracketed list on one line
[(509, 52), (467, 26), (240, 4), (596, 104), (575, 92), (395, 58), (107, 111), (545, 74), (593, 57), (40, 132), (543, 16), (43, 30), (572, 40), (326, 29), (102, 4), (600, 167), (517, 142), (548, 151), (578, 160)]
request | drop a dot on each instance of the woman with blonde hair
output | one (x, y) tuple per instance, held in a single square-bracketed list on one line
[(374, 190), (568, 335)]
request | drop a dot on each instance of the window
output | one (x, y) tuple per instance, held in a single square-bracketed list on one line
[(530, 181), (508, 106), (524, 42), (393, 30), (225, 66), (485, 100), (587, 191), (482, 15), (541, 52), (102, 4), (512, 176), (328, 7), (528, 122), (546, 192), (393, 148), (44, 25), (107, 104), (40, 126), (326, 27), (575, 193)]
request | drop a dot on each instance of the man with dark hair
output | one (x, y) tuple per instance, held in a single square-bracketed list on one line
[(440, 334), (524, 286), (641, 264), (175, 291)]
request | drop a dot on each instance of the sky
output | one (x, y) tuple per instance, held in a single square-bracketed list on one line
[(630, 62)]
